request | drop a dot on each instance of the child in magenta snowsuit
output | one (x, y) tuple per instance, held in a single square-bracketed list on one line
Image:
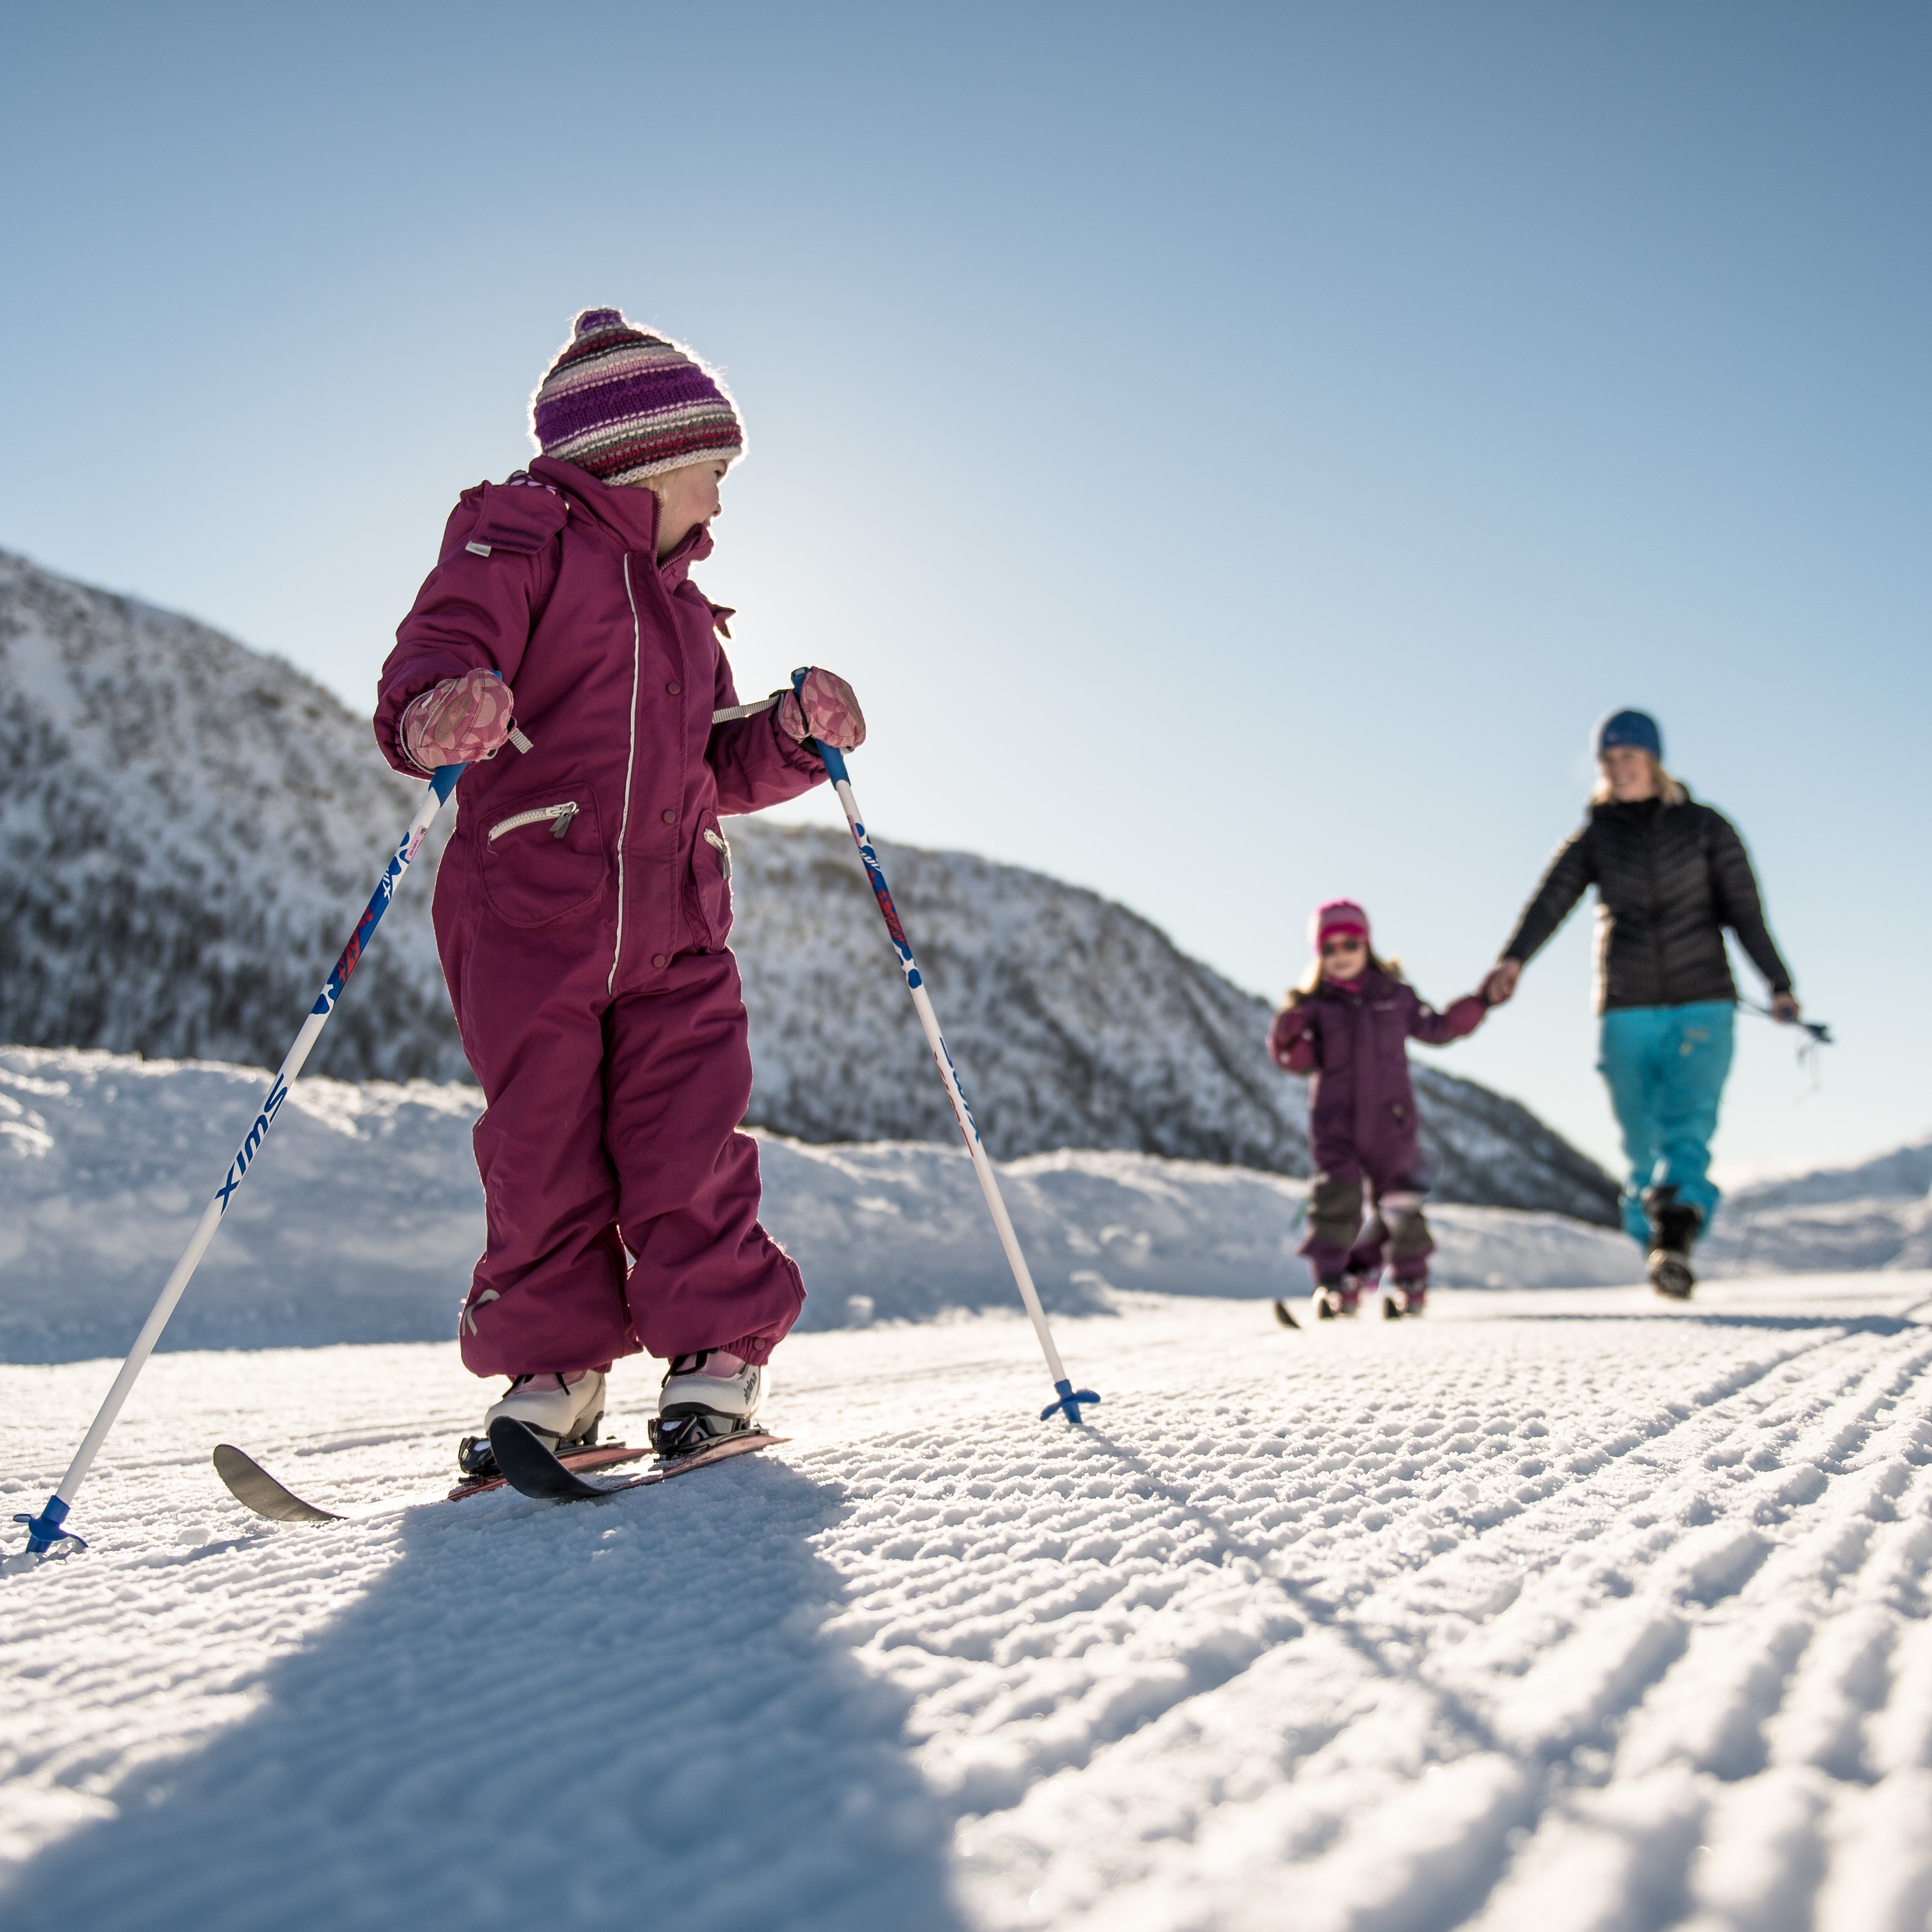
[(1348, 1027), (583, 904)]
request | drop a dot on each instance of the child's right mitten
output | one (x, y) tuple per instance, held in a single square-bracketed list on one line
[(459, 721), (1285, 1035), (824, 707)]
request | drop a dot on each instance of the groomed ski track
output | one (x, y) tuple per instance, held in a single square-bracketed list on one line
[(1559, 1611)]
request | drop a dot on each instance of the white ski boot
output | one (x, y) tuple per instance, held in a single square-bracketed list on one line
[(564, 1410), (705, 1397), (1339, 1295), (1406, 1298)]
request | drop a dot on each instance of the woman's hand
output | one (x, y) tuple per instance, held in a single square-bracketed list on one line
[(824, 707), (1784, 1008), (1500, 986), (458, 721)]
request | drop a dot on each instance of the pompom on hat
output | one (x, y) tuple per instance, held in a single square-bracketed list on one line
[(625, 405), (1336, 916)]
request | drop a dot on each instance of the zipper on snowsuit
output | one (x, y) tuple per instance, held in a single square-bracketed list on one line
[(563, 813), (630, 765)]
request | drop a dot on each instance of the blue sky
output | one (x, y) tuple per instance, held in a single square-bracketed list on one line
[(1235, 451)]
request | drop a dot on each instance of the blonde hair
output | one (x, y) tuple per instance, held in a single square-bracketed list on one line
[(1668, 789), (658, 478), (1309, 980)]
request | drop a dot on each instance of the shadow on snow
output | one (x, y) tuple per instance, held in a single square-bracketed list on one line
[(576, 1716)]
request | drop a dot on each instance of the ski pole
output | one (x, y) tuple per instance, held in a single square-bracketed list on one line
[(1821, 1034), (1067, 1398), (45, 1530)]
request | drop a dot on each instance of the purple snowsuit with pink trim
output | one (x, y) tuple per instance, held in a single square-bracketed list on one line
[(581, 912), (1351, 1037)]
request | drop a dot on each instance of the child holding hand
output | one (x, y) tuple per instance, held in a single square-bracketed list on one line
[(1348, 1026), (583, 904)]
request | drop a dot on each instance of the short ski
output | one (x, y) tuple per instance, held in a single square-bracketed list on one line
[(1285, 1316), (251, 1485), (531, 1469)]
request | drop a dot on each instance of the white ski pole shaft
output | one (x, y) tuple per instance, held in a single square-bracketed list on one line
[(1067, 1399), (44, 1530)]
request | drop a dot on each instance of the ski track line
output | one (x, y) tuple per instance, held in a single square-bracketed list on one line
[(1501, 1623)]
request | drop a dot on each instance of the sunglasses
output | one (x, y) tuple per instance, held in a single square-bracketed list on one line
[(1329, 945)]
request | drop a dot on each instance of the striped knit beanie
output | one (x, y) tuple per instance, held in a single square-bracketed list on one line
[(624, 405), (1336, 916)]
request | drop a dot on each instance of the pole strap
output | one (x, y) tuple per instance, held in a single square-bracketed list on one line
[(732, 711)]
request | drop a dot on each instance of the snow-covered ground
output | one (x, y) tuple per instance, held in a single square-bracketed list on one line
[(1876, 1214), (363, 1218), (1556, 1611)]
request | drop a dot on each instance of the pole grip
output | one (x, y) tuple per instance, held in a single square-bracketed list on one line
[(830, 756)]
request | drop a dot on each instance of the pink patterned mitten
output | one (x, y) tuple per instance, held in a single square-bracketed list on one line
[(824, 707), (458, 721)]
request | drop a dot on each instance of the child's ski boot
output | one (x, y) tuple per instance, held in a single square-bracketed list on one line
[(564, 1410), (705, 1395), (1406, 1298), (1338, 1295), (1673, 1228)]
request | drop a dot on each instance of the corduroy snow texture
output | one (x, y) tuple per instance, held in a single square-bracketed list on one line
[(625, 405)]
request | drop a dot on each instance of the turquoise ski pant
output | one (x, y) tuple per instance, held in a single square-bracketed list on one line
[(1665, 1066)]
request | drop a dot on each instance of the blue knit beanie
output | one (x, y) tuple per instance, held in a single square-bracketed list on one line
[(1628, 728)]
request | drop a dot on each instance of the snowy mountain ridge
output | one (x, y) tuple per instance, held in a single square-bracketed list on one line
[(188, 827)]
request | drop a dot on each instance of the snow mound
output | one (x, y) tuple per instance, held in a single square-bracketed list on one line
[(1877, 1213), (1561, 1612), (363, 1217), (191, 907)]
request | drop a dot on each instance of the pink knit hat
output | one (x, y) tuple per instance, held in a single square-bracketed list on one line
[(1336, 916), (625, 405)]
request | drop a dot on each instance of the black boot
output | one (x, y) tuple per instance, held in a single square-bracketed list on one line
[(1673, 1228)]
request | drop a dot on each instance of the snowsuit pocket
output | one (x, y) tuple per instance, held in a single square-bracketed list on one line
[(544, 859), (711, 881)]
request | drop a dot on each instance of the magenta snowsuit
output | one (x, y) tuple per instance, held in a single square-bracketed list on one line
[(581, 913), (1351, 1037)]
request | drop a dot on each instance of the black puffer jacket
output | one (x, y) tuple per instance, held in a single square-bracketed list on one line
[(1668, 879)]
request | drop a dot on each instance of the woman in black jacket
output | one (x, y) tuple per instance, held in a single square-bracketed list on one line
[(1670, 875)]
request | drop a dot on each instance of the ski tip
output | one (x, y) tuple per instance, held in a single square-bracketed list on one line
[(1285, 1316), (530, 1467), (254, 1488)]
